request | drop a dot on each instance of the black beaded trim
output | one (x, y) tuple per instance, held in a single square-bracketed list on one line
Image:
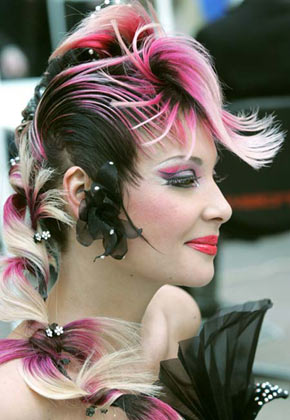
[(266, 392)]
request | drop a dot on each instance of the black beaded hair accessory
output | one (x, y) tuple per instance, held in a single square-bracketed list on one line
[(99, 215), (57, 65)]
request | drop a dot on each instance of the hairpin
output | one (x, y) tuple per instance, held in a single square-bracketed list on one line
[(45, 235), (54, 330), (107, 3), (93, 55), (92, 409), (14, 161)]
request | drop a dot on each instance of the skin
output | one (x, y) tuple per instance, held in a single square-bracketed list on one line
[(139, 288), (169, 216)]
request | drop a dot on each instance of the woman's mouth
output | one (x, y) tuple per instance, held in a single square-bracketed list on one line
[(206, 244)]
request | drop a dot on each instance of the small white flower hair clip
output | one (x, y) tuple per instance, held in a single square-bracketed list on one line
[(14, 161), (44, 235), (54, 330)]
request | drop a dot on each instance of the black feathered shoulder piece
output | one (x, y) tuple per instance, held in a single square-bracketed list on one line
[(212, 377)]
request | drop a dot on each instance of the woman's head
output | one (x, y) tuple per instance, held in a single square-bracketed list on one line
[(119, 89), (177, 202), (118, 85)]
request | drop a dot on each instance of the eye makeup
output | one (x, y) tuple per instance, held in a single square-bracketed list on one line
[(174, 169), (180, 176)]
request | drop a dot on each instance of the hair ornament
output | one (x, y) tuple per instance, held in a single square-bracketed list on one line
[(106, 3), (29, 111), (45, 235), (14, 161), (101, 402), (90, 411), (71, 58), (53, 347), (99, 215), (54, 330)]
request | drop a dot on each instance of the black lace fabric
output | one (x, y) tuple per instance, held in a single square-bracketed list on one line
[(99, 215), (212, 377)]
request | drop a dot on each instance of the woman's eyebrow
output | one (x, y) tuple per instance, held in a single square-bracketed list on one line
[(194, 159)]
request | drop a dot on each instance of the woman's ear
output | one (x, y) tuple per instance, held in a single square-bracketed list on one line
[(75, 181)]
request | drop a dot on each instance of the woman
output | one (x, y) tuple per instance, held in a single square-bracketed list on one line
[(114, 197)]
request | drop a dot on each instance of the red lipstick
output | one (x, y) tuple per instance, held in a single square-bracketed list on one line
[(206, 244)]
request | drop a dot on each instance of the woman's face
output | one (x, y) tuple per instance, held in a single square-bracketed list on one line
[(180, 209)]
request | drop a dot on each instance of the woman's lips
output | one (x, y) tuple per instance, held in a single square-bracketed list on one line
[(206, 244)]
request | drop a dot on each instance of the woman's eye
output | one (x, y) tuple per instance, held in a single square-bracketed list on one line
[(183, 180)]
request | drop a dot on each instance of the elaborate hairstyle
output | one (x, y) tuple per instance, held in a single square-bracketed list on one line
[(114, 88)]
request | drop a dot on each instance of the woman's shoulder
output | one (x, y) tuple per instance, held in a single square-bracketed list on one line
[(179, 309), (183, 301), (172, 316), (19, 402), (182, 314)]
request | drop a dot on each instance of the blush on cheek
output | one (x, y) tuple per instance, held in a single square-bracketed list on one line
[(154, 213)]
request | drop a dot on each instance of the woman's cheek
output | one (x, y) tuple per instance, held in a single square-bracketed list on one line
[(157, 213)]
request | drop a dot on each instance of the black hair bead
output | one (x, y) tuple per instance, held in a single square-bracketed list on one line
[(90, 411)]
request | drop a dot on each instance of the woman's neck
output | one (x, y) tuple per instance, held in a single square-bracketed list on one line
[(102, 288)]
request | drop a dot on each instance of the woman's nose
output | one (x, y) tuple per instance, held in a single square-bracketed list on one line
[(217, 207)]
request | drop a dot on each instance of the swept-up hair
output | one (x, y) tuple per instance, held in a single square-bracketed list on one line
[(115, 87)]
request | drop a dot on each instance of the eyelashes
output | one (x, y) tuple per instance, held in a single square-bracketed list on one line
[(185, 179), (218, 179)]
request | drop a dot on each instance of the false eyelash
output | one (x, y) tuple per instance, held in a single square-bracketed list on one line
[(181, 182), (218, 179)]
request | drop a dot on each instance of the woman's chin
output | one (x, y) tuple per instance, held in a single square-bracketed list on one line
[(199, 279)]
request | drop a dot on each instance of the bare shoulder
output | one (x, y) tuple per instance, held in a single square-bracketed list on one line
[(182, 314), (168, 295), (177, 308), (181, 311), (171, 316), (17, 400)]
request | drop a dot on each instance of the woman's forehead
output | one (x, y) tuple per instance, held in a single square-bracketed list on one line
[(204, 151)]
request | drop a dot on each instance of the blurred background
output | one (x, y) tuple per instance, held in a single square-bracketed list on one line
[(249, 41)]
